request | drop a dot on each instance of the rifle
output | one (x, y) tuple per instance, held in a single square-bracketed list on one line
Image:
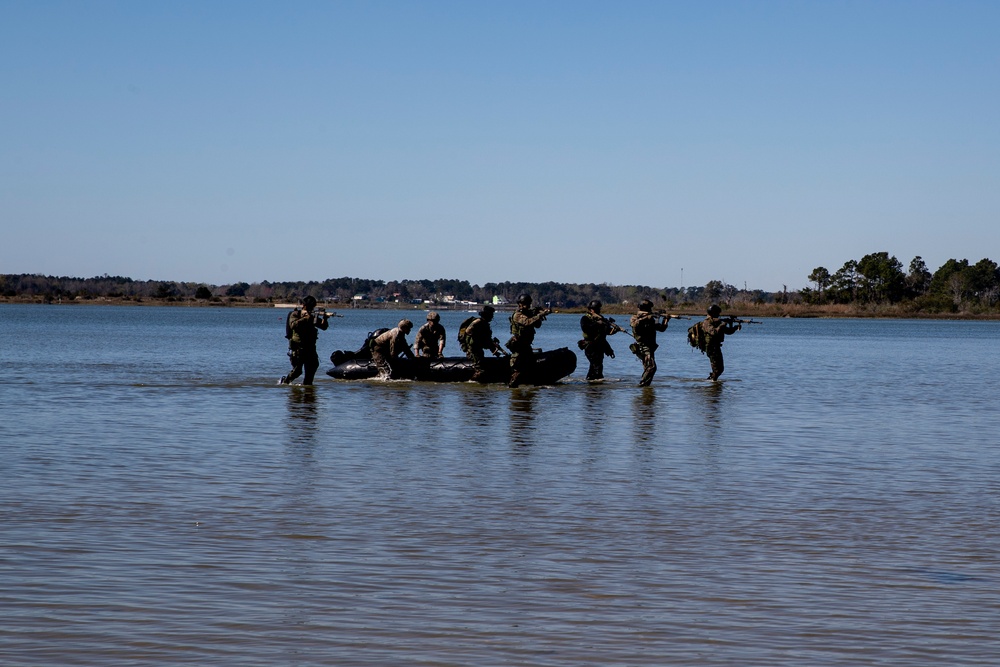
[(615, 328), (322, 313), (670, 316), (498, 351), (733, 319)]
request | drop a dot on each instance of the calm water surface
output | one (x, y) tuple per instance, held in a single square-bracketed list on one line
[(833, 502)]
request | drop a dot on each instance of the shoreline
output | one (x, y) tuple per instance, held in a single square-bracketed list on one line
[(801, 311)]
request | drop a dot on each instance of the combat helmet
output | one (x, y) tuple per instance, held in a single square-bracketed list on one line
[(646, 305), (524, 300), (433, 317), (595, 306), (714, 310), (405, 325)]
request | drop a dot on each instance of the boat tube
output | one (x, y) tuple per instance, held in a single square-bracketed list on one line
[(550, 367)]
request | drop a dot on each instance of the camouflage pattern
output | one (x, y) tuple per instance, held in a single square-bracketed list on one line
[(523, 323), (478, 337), (305, 327), (595, 345), (716, 329), (644, 327), (430, 340), (388, 347)]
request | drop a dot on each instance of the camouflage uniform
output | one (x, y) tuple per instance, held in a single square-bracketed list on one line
[(386, 349), (302, 345), (478, 339), (523, 323), (596, 330), (644, 327), (716, 329), (430, 340)]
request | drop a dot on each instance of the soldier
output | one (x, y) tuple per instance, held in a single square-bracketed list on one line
[(430, 338), (477, 337), (387, 348), (523, 323), (716, 329), (596, 330), (301, 330), (644, 327)]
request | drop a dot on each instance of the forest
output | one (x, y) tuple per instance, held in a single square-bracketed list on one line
[(876, 284), (879, 279)]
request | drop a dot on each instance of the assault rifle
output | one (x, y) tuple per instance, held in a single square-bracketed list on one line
[(733, 319), (670, 316), (321, 312), (615, 328), (498, 350)]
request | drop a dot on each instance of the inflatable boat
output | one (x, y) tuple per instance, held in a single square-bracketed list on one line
[(550, 367)]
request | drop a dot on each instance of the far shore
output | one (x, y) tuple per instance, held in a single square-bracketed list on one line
[(746, 310)]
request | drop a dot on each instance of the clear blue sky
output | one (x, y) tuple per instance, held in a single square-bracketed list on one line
[(622, 142)]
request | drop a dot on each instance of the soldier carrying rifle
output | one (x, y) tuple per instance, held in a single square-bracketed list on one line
[(645, 324), (596, 329), (301, 329), (708, 335), (523, 323)]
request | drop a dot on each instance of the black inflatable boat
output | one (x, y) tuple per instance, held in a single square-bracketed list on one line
[(550, 367)]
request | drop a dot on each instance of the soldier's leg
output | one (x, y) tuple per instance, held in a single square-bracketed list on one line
[(384, 370), (718, 366), (311, 362), (596, 370), (516, 366), (477, 356), (648, 369), (295, 358)]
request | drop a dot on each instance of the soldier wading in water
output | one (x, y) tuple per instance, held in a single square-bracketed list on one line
[(523, 323), (644, 327), (596, 329), (475, 336), (708, 335), (301, 330), (389, 346)]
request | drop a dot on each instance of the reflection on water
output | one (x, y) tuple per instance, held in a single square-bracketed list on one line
[(833, 502), (710, 397), (644, 415), (522, 418), (302, 414)]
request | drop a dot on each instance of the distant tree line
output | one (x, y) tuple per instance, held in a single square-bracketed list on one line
[(879, 279), (345, 290), (876, 281)]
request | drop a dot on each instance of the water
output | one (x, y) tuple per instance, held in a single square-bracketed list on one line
[(833, 502)]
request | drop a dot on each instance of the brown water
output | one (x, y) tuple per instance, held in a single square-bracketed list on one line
[(834, 502)]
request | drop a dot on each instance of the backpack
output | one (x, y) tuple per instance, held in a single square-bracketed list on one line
[(463, 330), (697, 337), (288, 325)]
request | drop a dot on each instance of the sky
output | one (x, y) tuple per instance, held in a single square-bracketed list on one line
[(625, 142)]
